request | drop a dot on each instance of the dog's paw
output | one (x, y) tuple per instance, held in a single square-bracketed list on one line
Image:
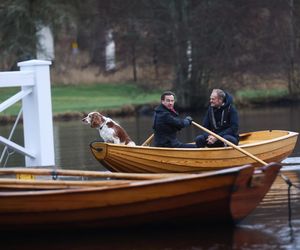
[(131, 144)]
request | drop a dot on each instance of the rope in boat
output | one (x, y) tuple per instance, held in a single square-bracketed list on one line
[(290, 184), (288, 181)]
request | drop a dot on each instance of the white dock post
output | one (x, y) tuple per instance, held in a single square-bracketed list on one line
[(37, 115)]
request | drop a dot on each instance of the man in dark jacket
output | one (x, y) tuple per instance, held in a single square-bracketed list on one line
[(221, 118), (166, 123)]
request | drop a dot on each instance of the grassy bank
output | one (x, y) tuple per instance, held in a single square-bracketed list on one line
[(100, 97), (86, 98), (73, 100), (260, 96)]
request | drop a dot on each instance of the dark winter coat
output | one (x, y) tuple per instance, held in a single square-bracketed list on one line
[(223, 120), (166, 123)]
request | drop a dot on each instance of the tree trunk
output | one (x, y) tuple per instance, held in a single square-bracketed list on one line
[(293, 81), (133, 61), (191, 80), (155, 61)]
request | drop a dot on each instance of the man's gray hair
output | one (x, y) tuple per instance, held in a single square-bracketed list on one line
[(220, 93)]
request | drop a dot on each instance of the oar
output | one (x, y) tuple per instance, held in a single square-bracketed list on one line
[(57, 172), (148, 141), (58, 184), (230, 144)]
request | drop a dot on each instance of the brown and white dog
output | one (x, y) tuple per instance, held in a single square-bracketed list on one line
[(109, 130)]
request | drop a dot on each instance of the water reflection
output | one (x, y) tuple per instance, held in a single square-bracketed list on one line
[(189, 238), (273, 214)]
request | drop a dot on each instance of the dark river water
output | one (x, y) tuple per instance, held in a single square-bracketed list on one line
[(268, 227)]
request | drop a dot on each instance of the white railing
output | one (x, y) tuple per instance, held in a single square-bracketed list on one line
[(34, 80)]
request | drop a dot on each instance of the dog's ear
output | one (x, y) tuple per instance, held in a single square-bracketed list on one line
[(102, 118), (95, 120)]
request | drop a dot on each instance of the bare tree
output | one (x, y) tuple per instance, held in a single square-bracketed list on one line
[(293, 66), (20, 21)]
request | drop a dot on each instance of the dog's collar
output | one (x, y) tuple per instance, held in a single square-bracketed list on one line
[(103, 125)]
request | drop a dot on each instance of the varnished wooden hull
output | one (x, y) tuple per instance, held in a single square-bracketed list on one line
[(223, 196), (269, 146)]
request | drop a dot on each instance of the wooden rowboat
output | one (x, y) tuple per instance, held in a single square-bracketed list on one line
[(269, 146), (222, 196)]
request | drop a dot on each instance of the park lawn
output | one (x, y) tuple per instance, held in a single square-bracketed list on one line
[(86, 98)]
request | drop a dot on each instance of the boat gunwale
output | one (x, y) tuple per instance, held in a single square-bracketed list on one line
[(289, 134), (179, 177)]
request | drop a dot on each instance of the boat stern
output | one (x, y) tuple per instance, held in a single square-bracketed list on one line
[(250, 189)]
